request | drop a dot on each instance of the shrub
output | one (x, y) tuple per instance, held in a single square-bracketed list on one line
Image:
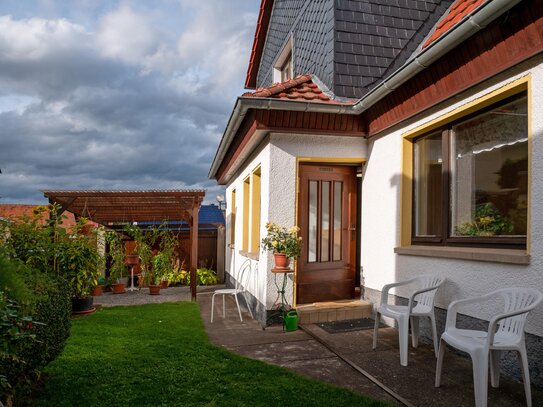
[(34, 322)]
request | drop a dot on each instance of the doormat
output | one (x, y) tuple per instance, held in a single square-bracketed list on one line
[(349, 325)]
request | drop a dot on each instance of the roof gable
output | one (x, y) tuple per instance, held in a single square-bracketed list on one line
[(258, 43)]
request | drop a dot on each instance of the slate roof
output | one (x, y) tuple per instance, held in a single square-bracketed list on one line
[(300, 88), (375, 37), (459, 10)]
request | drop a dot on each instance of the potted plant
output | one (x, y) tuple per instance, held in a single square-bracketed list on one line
[(118, 267), (79, 263), (97, 290), (285, 244)]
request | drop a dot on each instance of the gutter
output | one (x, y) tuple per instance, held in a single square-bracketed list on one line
[(486, 13)]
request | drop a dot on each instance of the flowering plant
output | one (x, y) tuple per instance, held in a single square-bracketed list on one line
[(282, 240)]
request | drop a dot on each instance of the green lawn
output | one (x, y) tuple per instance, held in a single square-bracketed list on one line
[(159, 355)]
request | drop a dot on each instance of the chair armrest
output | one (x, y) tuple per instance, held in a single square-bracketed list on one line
[(387, 287), (452, 310)]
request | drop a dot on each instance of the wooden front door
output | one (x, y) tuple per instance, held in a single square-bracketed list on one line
[(327, 219)]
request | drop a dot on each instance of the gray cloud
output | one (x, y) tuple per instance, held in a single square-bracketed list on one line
[(101, 115)]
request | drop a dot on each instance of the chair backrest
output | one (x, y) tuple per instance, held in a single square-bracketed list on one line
[(427, 281), (517, 299), (243, 276)]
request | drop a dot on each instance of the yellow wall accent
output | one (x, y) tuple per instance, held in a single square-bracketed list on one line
[(233, 209), (254, 245), (246, 201), (513, 88)]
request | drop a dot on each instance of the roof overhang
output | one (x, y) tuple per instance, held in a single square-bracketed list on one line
[(110, 207)]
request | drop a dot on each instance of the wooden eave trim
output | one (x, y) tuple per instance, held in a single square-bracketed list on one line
[(293, 122)]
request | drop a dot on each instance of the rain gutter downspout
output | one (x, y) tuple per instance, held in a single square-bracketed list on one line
[(450, 39)]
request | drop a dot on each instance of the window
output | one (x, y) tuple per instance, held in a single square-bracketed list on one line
[(470, 179), (233, 218), (286, 68), (283, 67)]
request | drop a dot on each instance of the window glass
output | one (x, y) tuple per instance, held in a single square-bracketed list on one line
[(325, 221), (489, 173), (312, 235), (428, 185)]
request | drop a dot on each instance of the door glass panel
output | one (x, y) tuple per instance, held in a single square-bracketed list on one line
[(312, 235), (325, 221), (337, 220)]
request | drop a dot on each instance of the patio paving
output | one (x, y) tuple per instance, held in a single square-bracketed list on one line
[(314, 352), (141, 296)]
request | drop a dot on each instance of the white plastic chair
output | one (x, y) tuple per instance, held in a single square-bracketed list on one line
[(240, 288), (421, 304), (505, 332)]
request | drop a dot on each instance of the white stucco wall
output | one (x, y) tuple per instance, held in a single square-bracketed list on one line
[(278, 160), (381, 213)]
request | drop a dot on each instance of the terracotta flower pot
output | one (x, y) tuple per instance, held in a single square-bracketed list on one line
[(97, 290), (154, 289), (281, 260), (164, 284), (118, 288)]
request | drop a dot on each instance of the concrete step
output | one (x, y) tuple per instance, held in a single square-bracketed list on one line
[(333, 311)]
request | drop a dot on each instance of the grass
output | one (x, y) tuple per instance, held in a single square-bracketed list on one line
[(159, 355)]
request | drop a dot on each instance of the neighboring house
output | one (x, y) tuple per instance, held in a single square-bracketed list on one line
[(403, 137), (15, 212)]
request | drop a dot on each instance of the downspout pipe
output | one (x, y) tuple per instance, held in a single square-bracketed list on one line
[(485, 15)]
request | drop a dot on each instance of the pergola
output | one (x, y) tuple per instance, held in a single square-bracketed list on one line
[(113, 208)]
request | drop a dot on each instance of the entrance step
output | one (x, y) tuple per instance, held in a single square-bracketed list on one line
[(333, 311)]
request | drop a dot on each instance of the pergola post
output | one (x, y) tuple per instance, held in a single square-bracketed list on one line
[(194, 249)]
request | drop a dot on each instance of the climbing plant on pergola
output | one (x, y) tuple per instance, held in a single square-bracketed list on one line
[(111, 208)]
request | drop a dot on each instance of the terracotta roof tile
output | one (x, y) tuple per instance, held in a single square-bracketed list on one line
[(300, 88), (459, 10)]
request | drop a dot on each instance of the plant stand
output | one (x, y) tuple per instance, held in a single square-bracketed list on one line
[(281, 305), (131, 288)]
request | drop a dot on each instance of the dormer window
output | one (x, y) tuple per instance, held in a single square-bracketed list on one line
[(283, 68), (286, 69)]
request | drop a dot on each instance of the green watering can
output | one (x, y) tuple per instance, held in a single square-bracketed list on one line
[(291, 321)]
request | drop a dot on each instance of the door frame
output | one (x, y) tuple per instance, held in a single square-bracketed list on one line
[(350, 161)]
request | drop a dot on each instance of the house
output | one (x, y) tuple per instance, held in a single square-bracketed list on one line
[(403, 137), (14, 212)]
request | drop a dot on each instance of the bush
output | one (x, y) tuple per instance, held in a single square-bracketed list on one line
[(35, 313)]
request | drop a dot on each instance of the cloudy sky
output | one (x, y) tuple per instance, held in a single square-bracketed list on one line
[(117, 94)]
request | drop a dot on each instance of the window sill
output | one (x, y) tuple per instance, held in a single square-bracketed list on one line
[(250, 255), (510, 256)]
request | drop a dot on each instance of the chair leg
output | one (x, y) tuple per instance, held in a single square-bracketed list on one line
[(415, 331), (439, 365), (403, 337), (376, 329), (248, 307), (495, 368), (480, 377), (212, 305), (239, 309), (223, 307), (434, 331), (525, 373)]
